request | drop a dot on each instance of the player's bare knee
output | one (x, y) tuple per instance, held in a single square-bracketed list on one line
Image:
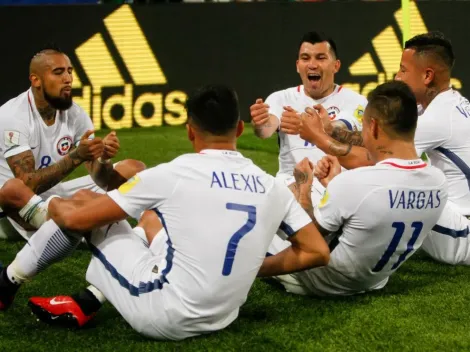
[(129, 167), (151, 224), (14, 193)]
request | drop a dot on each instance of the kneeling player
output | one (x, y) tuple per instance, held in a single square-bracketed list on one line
[(217, 211), (381, 213)]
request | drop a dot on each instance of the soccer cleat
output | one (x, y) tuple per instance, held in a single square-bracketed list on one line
[(7, 290), (59, 310)]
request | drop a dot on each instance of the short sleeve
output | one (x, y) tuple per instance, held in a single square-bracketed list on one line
[(335, 205), (14, 137), (146, 190), (275, 104), (431, 133), (295, 218)]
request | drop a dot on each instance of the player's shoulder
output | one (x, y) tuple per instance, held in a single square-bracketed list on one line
[(351, 95), (15, 107), (287, 93)]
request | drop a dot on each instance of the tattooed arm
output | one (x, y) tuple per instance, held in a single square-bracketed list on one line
[(342, 134), (39, 181)]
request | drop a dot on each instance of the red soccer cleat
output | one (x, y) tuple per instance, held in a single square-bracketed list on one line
[(59, 310)]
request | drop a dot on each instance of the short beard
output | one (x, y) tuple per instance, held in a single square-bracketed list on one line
[(58, 103)]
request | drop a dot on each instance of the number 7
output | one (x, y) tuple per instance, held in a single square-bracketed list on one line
[(237, 236)]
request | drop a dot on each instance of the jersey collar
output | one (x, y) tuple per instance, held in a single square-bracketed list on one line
[(322, 100), (404, 164), (221, 152)]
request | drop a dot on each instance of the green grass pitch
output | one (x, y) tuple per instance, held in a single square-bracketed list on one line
[(424, 307)]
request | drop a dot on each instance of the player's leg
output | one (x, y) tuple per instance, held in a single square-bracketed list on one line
[(76, 310), (449, 240)]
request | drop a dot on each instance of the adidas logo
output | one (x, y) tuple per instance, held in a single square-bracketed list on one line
[(388, 50), (124, 95)]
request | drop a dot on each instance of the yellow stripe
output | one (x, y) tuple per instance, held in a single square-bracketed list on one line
[(388, 48), (76, 83), (417, 25), (98, 64), (133, 47), (363, 66)]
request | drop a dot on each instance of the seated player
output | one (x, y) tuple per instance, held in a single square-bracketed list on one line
[(44, 136), (216, 209), (382, 213)]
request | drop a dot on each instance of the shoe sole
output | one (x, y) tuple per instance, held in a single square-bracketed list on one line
[(66, 320)]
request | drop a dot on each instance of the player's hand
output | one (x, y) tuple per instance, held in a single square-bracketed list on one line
[(290, 121), (324, 117), (259, 112), (111, 146), (303, 173), (311, 126), (327, 169), (89, 149)]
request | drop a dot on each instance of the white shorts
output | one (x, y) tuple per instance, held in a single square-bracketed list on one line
[(130, 276), (10, 229), (449, 242)]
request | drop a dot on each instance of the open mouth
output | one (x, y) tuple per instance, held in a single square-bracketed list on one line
[(314, 77)]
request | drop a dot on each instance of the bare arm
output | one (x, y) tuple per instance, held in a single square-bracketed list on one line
[(267, 129), (39, 181), (308, 250), (78, 215), (343, 135), (100, 171)]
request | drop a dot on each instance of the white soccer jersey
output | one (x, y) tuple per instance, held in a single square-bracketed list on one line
[(22, 129), (443, 133), (383, 212), (343, 104), (220, 212)]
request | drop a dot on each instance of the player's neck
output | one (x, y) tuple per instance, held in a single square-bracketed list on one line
[(215, 144), (394, 150), (433, 92), (323, 94), (46, 111)]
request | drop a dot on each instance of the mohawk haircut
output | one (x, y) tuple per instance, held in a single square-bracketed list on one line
[(319, 37), (396, 108), (434, 44)]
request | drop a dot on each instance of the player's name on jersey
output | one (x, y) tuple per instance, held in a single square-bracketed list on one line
[(400, 199), (238, 182)]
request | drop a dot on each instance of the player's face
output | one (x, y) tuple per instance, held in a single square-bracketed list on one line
[(56, 81), (412, 73), (317, 66)]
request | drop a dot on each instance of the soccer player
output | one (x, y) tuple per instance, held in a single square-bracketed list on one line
[(381, 213), (317, 63), (44, 136), (442, 133), (216, 210)]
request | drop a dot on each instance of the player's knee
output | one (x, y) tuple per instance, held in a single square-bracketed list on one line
[(129, 167), (11, 192)]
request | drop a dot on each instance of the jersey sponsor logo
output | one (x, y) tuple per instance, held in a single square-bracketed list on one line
[(12, 138), (384, 60), (333, 111), (129, 185), (324, 199), (63, 145), (111, 99)]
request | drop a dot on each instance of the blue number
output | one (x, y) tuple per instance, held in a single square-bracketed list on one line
[(45, 161), (307, 143), (399, 230), (237, 236)]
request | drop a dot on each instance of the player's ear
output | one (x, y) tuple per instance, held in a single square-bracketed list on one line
[(35, 81), (190, 132), (428, 76), (297, 65), (240, 128), (337, 65)]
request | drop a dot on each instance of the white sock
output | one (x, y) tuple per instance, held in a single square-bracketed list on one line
[(97, 293), (48, 245)]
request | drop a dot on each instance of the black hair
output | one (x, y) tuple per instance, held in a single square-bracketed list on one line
[(319, 37), (214, 109), (396, 107), (435, 44)]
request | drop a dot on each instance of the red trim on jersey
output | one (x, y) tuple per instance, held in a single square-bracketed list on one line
[(339, 89), (298, 89), (407, 167)]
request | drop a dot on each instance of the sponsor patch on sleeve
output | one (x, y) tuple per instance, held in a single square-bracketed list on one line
[(12, 138)]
